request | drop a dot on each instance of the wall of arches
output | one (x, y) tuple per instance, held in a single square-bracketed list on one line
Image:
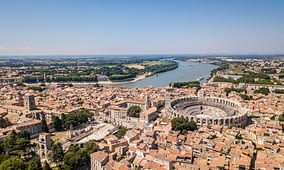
[(236, 114)]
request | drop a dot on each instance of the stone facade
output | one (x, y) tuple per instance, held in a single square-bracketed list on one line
[(29, 102), (235, 115), (44, 145), (99, 160)]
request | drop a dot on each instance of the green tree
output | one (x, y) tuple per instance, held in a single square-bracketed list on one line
[(134, 111), (65, 167), (188, 84), (12, 163), (245, 97), (43, 126), (182, 124), (46, 166), (281, 118), (76, 158), (57, 153), (9, 142), (238, 136), (262, 90), (192, 125), (17, 144), (34, 164), (24, 134), (36, 88), (279, 91), (3, 157), (63, 120), (90, 147), (4, 122), (269, 70), (77, 117), (57, 123), (120, 132), (73, 148)]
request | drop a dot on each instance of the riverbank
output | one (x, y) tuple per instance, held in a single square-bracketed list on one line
[(138, 78), (220, 66), (186, 71)]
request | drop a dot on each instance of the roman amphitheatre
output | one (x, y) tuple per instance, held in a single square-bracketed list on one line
[(208, 111)]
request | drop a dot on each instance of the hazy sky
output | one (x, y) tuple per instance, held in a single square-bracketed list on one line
[(141, 26)]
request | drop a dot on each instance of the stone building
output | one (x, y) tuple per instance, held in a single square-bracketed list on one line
[(209, 111), (31, 126), (99, 160), (44, 145), (29, 102)]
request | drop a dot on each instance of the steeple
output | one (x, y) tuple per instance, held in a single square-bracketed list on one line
[(147, 102)]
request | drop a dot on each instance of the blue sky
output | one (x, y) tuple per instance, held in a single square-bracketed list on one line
[(50, 27)]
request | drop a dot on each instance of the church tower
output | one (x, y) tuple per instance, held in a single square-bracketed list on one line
[(19, 98), (44, 145), (147, 102), (70, 132), (29, 102)]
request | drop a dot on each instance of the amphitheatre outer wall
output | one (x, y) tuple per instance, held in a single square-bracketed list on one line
[(208, 111)]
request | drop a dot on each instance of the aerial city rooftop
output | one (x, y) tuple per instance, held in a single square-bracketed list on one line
[(232, 120), (142, 85)]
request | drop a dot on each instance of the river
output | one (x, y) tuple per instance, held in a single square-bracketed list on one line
[(186, 71)]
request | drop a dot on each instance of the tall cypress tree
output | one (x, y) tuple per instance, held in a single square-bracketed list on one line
[(57, 123), (43, 126)]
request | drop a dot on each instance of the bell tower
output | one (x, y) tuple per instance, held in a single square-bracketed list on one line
[(44, 145), (147, 102), (29, 102)]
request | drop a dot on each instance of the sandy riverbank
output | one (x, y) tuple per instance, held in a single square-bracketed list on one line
[(140, 77)]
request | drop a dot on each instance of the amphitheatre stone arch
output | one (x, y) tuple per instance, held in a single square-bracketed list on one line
[(207, 111)]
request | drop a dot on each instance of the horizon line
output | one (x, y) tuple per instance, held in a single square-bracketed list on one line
[(142, 54)]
